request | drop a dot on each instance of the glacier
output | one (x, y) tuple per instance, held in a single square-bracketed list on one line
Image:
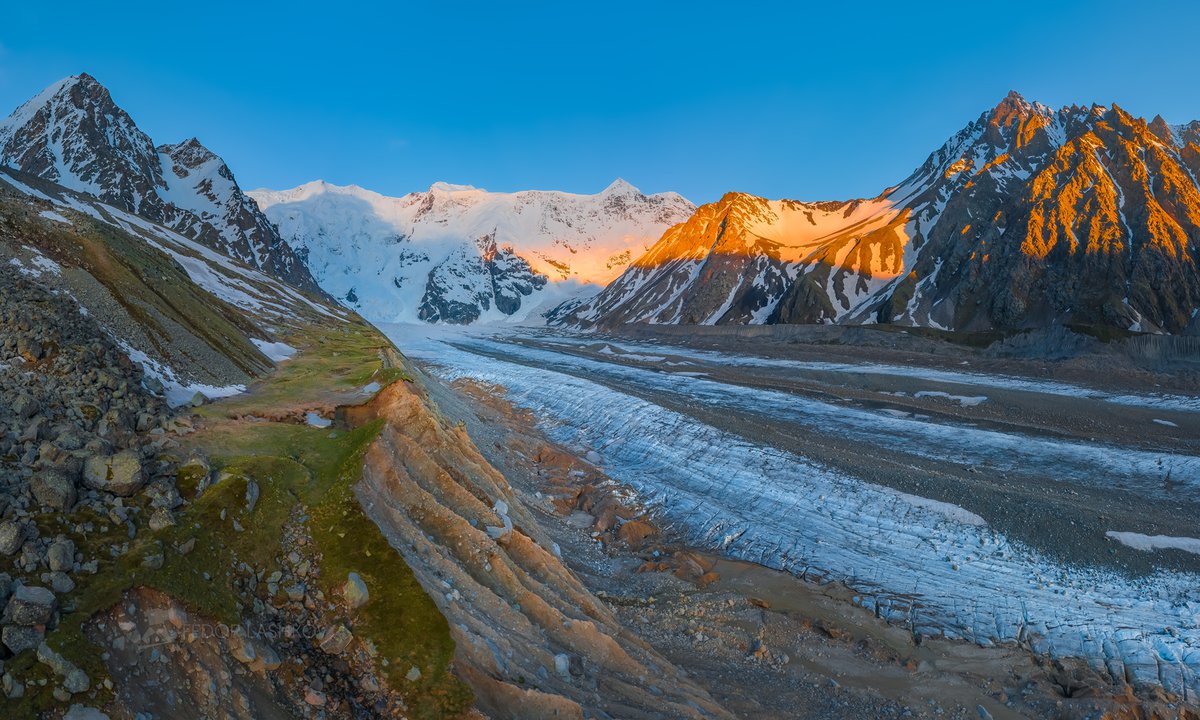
[(930, 566)]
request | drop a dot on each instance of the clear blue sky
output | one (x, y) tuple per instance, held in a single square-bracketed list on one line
[(697, 97)]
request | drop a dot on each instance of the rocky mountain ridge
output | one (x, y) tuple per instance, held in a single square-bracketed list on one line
[(1027, 217), (74, 134)]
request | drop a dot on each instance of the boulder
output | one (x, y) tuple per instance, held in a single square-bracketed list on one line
[(74, 679), (18, 638), (581, 520), (119, 474), (161, 519), (562, 665), (13, 689), (268, 658), (30, 605), (60, 556), (34, 431), (252, 494), (635, 532), (194, 474), (164, 494), (355, 591), (30, 348), (60, 582), (54, 489), (12, 537), (26, 407), (243, 650), (82, 712), (53, 660), (335, 639), (76, 682)]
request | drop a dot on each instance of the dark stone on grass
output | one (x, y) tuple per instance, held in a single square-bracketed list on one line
[(29, 606), (18, 638)]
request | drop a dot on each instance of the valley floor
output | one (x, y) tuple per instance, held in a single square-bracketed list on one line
[(842, 537)]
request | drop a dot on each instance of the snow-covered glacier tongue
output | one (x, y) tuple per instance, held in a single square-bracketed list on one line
[(933, 566)]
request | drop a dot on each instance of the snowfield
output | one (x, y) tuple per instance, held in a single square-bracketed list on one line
[(386, 256)]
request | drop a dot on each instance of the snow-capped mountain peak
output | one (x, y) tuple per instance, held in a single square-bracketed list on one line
[(456, 253), (620, 187), (445, 187), (74, 134)]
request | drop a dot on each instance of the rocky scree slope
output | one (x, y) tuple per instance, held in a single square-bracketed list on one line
[(73, 134), (106, 321), (1027, 217), (195, 320), (81, 440), (457, 254)]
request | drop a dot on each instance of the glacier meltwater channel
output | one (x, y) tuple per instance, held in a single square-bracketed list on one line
[(934, 567)]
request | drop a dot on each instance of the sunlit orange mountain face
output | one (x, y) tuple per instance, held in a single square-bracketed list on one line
[(1028, 216)]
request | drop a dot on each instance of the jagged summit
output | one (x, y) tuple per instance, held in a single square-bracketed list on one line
[(191, 147), (620, 187), (74, 134), (1027, 216), (1013, 102)]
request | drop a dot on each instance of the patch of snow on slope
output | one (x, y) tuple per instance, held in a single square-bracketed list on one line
[(38, 265), (176, 391), (275, 351), (24, 189), (57, 217)]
